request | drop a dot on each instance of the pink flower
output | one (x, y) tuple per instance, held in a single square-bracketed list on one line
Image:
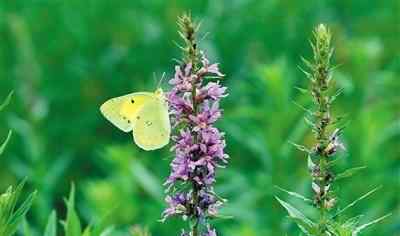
[(199, 146)]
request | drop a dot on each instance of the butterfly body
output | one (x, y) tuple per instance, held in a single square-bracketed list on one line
[(144, 113)]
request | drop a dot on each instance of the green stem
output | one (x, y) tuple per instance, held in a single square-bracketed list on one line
[(191, 55), (322, 208), (195, 196), (320, 85), (195, 193)]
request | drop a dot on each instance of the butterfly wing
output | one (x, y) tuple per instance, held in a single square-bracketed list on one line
[(122, 111), (152, 130)]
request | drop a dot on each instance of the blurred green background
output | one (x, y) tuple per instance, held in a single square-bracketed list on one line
[(64, 58)]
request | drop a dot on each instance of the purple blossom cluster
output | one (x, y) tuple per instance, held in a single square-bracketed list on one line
[(209, 232), (199, 146)]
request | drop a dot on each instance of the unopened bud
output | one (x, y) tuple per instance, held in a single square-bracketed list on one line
[(329, 204)]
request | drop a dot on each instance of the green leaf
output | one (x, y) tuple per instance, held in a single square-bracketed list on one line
[(72, 225), (310, 163), (99, 230), (87, 231), (302, 221), (332, 163), (139, 231), (362, 227), (100, 227), (6, 101), (355, 202), (20, 213), (339, 229), (26, 228), (337, 94), (303, 108), (300, 147), (107, 232), (51, 227), (310, 230), (352, 222), (147, 180), (349, 172), (11, 215), (302, 90), (4, 144), (297, 195)]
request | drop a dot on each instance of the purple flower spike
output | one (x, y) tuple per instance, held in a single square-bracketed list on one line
[(199, 146), (213, 91), (210, 232), (176, 205), (183, 80), (209, 68)]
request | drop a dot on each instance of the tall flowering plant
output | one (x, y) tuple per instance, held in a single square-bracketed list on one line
[(322, 156), (198, 145)]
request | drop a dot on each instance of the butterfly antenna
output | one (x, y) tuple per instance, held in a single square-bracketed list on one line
[(161, 80)]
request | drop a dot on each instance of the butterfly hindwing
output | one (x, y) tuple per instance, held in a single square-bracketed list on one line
[(152, 128)]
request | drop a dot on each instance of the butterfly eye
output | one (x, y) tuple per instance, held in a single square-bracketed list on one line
[(132, 101)]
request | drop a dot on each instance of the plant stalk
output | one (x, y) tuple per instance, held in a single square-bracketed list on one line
[(320, 78), (191, 56)]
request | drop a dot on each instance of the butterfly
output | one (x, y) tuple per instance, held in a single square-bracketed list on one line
[(144, 113)]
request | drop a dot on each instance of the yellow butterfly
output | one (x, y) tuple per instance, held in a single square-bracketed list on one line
[(144, 113)]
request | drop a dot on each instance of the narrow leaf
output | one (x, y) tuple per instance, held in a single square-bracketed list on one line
[(302, 90), (362, 227), (310, 123), (20, 213), (333, 97), (6, 101), (300, 147), (87, 231), (26, 228), (352, 222), (72, 225), (303, 108), (147, 180), (310, 230), (100, 226), (4, 144), (356, 201), (294, 213), (51, 227), (11, 214), (349, 172), (310, 163), (307, 63), (107, 231), (294, 194)]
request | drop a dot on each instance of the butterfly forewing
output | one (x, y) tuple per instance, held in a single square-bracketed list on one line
[(122, 111)]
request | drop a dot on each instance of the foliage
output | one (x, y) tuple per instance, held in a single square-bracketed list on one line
[(72, 224), (322, 157), (2, 106), (12, 213), (64, 58)]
